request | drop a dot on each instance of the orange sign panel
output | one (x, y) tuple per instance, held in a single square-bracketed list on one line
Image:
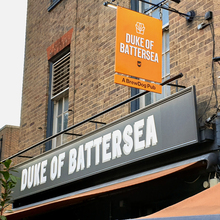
[(138, 45), (139, 84)]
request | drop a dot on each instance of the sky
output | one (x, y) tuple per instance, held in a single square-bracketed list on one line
[(12, 45)]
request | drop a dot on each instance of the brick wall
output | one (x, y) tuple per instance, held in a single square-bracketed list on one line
[(10, 138), (92, 61), (92, 87), (191, 52), (94, 90)]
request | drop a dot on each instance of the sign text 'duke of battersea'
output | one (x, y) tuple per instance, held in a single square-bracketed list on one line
[(138, 45), (138, 136)]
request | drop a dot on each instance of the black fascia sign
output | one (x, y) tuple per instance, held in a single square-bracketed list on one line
[(158, 128)]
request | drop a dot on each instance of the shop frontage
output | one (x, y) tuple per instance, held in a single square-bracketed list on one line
[(142, 163)]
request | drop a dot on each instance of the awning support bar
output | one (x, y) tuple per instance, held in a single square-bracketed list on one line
[(91, 118)]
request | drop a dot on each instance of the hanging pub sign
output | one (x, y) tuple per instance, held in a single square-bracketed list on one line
[(138, 48)]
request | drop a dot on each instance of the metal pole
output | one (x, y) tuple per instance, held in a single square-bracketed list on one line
[(155, 7), (168, 9)]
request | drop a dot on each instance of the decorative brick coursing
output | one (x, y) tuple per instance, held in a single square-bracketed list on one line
[(60, 44)]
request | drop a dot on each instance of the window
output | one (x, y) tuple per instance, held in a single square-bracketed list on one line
[(59, 91), (156, 12), (58, 102), (60, 74), (164, 15), (60, 119)]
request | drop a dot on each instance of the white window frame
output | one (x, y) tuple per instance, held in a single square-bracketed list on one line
[(165, 75), (62, 95), (66, 89), (61, 139)]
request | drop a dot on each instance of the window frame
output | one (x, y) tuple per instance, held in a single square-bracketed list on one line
[(51, 100), (57, 116), (153, 97), (53, 97)]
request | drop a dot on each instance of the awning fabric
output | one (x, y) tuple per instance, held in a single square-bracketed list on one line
[(193, 217), (204, 205), (79, 196)]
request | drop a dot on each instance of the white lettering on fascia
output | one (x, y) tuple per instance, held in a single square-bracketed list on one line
[(138, 133), (24, 175), (33, 175), (151, 133), (37, 174), (30, 178), (97, 143), (113, 145), (88, 147), (80, 159), (53, 168), (72, 160), (56, 166), (110, 146), (106, 155), (61, 158), (43, 178), (129, 143), (116, 144)]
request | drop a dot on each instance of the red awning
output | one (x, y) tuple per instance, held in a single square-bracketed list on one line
[(205, 203), (70, 200), (77, 197)]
